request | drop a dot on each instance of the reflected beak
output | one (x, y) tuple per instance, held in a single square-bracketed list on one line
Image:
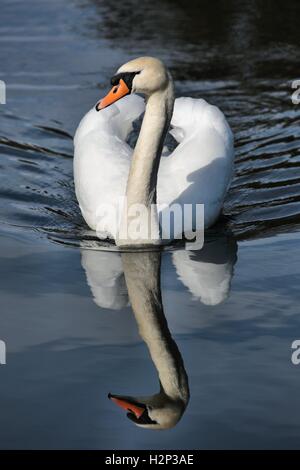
[(129, 405), (117, 92)]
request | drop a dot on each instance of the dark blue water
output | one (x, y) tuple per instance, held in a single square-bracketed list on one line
[(232, 308)]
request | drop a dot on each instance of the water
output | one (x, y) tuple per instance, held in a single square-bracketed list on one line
[(232, 308)]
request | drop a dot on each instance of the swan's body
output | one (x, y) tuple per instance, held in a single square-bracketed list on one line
[(106, 168)]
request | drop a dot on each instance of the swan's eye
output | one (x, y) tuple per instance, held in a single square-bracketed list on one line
[(126, 76)]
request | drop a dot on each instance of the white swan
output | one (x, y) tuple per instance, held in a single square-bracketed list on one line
[(106, 169)]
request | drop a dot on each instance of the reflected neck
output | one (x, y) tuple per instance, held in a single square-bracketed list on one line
[(142, 274)]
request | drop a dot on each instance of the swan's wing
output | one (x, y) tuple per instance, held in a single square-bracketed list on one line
[(201, 166), (115, 120), (194, 116), (102, 159)]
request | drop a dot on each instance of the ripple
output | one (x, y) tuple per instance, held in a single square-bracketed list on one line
[(37, 190)]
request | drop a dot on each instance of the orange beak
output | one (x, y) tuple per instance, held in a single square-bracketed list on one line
[(117, 92), (128, 405)]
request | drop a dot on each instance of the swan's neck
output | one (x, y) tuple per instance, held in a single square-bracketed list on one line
[(141, 186), (142, 179), (142, 274)]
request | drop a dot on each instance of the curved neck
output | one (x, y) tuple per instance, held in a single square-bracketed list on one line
[(142, 275), (142, 178)]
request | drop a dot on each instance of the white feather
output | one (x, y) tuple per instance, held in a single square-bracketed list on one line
[(198, 171)]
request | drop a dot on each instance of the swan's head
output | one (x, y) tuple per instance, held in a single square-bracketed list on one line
[(155, 412), (145, 75)]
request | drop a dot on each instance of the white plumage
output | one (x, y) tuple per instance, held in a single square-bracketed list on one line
[(199, 170)]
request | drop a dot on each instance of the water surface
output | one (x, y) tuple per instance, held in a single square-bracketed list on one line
[(232, 308)]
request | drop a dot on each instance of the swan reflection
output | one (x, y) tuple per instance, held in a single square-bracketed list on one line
[(164, 409), (105, 277), (206, 272), (117, 279)]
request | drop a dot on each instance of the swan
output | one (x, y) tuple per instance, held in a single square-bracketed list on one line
[(164, 409), (107, 171)]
